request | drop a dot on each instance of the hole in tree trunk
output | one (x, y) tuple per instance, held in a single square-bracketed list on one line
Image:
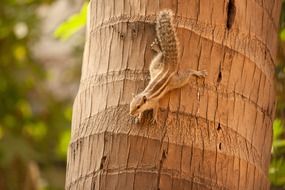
[(122, 36), (103, 159), (231, 13), (220, 146), (164, 154), (219, 79), (219, 127)]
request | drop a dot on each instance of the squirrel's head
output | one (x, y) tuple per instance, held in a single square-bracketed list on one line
[(137, 104)]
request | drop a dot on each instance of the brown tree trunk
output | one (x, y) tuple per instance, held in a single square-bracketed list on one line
[(212, 134)]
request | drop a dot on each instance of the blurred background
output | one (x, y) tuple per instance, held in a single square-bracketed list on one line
[(41, 46), (39, 75)]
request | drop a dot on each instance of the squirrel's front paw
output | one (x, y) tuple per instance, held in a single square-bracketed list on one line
[(202, 73), (155, 42), (155, 45), (137, 120), (153, 121)]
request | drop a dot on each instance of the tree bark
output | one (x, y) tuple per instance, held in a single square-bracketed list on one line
[(214, 133)]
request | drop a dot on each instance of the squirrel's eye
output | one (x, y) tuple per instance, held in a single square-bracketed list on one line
[(138, 107)]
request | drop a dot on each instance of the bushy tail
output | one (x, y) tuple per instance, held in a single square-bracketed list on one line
[(167, 36)]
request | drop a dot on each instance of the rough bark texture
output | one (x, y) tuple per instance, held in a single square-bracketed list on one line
[(212, 134)]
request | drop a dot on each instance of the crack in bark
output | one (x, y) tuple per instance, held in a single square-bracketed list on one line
[(163, 157)]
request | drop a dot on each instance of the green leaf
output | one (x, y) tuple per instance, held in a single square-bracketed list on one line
[(278, 129), (277, 172), (36, 130), (25, 108), (72, 25), (278, 143), (68, 113), (63, 144), (282, 34)]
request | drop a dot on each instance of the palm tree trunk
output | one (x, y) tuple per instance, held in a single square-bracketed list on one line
[(212, 134)]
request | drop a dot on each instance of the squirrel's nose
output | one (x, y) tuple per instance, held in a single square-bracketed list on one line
[(132, 112)]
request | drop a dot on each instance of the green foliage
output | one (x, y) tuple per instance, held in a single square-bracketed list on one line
[(34, 124), (277, 165), (277, 172), (282, 35), (63, 143), (72, 25), (278, 141)]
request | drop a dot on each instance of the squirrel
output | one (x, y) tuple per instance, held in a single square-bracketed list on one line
[(164, 75)]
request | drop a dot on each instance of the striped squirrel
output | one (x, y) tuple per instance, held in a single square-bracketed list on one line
[(164, 75)]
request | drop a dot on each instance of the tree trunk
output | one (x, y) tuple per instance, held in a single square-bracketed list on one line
[(215, 133)]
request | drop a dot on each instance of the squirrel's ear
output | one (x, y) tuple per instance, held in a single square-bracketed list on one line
[(144, 99)]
